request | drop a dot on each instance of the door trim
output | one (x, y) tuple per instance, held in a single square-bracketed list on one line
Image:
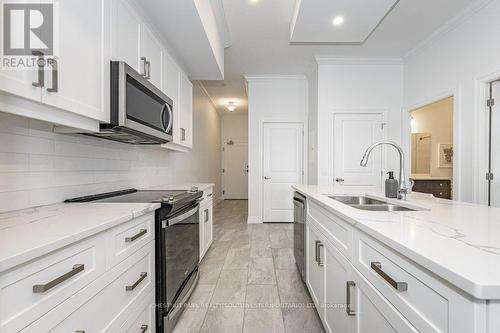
[(331, 136), (457, 141), (261, 160)]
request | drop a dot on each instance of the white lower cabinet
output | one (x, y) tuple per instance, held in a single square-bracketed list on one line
[(206, 222), (72, 290), (371, 288)]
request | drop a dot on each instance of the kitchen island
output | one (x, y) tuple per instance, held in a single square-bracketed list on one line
[(435, 268)]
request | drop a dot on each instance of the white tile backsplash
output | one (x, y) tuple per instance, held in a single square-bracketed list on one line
[(39, 167)]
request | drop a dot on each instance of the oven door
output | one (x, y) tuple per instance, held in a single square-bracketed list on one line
[(138, 105), (182, 249)]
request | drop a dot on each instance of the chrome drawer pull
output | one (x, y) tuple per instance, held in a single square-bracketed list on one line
[(349, 311), (144, 328), (55, 85), (316, 255), (41, 288), (320, 261), (41, 70), (132, 287), (80, 331), (399, 286), (206, 215), (142, 232), (209, 195)]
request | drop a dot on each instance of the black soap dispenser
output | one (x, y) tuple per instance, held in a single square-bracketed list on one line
[(391, 186)]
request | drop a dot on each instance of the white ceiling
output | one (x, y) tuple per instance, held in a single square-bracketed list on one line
[(313, 20), (260, 35)]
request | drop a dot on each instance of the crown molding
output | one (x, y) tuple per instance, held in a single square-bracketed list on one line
[(327, 60), (274, 77), (459, 19), (207, 94)]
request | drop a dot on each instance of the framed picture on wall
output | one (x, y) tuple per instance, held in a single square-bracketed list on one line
[(445, 157)]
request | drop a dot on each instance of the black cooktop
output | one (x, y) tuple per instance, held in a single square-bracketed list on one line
[(133, 195)]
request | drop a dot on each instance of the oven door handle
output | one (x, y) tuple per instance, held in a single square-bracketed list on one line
[(182, 217)]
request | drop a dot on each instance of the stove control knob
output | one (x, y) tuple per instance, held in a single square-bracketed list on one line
[(171, 198), (194, 189)]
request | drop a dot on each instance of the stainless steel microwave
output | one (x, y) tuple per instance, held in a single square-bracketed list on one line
[(140, 112)]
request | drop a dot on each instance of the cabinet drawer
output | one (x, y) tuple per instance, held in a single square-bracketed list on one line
[(338, 231), (105, 304), (145, 321), (424, 300), (32, 290), (131, 236)]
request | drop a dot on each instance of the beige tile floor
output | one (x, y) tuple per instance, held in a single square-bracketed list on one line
[(248, 280)]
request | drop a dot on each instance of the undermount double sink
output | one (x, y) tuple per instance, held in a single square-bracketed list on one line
[(367, 203)]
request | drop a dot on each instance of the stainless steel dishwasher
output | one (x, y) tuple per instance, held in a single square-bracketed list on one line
[(299, 232)]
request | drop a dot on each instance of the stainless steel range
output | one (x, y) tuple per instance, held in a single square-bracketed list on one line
[(177, 246)]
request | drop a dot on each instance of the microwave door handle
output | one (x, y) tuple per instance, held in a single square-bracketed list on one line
[(170, 118), (162, 123)]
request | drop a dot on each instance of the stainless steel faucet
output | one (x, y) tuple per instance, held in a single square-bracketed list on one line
[(403, 187)]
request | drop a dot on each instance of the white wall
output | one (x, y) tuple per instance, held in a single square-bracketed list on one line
[(313, 127), (455, 62), (352, 85), (39, 167), (270, 98), (234, 127), (203, 162)]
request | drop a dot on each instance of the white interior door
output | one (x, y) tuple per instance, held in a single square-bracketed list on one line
[(353, 133), (283, 167), (235, 165), (495, 147)]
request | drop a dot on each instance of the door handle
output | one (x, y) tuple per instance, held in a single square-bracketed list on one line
[(340, 180), (319, 245), (267, 178), (40, 62), (55, 86), (349, 311)]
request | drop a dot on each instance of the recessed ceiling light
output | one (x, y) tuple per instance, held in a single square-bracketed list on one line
[(254, 1), (338, 20)]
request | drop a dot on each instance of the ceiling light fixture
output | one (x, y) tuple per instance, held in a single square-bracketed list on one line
[(254, 1), (337, 21), (231, 106)]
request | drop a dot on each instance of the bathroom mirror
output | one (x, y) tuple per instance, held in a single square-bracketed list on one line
[(421, 153)]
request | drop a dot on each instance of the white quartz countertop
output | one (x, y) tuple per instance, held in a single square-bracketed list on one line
[(180, 187), (30, 233), (459, 242)]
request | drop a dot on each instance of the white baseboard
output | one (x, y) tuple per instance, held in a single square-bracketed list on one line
[(253, 219)]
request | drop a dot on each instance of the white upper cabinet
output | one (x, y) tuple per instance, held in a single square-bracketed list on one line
[(185, 112), (76, 79), (125, 27), (151, 56)]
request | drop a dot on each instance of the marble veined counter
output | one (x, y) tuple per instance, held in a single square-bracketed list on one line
[(459, 242)]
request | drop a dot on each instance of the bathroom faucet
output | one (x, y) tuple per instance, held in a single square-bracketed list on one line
[(403, 187)]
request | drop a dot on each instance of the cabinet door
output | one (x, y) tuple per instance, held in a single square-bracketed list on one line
[(152, 50), (125, 34), (171, 76), (185, 111), (315, 271), (338, 272), (208, 224), (374, 313), (201, 220), (20, 81), (76, 82)]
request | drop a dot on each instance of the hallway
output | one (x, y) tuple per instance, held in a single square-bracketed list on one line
[(248, 280)]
